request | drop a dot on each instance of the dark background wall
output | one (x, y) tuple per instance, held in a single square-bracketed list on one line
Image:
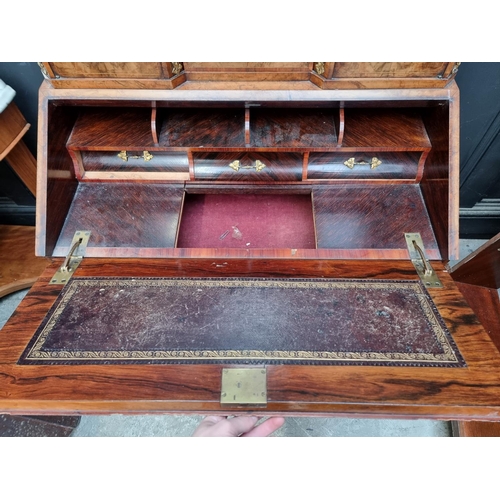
[(479, 85), (17, 204)]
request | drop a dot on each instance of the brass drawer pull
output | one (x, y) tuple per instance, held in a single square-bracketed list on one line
[(235, 165), (374, 163), (146, 156)]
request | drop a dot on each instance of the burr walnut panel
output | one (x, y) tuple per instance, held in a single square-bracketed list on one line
[(389, 70)]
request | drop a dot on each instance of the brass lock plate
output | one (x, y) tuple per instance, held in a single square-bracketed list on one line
[(244, 386)]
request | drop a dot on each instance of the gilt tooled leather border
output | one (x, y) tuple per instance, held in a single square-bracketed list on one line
[(35, 353)]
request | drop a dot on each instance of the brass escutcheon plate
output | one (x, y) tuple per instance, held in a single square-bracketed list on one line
[(244, 386)]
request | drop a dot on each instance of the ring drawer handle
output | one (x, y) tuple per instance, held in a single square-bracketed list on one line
[(235, 165), (146, 156), (374, 163)]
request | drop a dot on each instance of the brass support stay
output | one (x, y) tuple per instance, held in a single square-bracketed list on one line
[(73, 259), (422, 265)]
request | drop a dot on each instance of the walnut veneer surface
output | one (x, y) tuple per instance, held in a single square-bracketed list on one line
[(239, 75)]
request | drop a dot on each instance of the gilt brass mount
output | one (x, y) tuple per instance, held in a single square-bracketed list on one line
[(244, 386), (422, 265), (146, 156), (73, 259), (319, 67), (177, 68), (374, 163), (235, 165)]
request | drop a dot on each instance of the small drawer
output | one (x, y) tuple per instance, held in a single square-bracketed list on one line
[(248, 167), (134, 161), (372, 165)]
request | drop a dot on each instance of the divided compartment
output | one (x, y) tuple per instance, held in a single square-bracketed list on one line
[(153, 219), (294, 127), (126, 219), (392, 129), (362, 220), (248, 221), (121, 144), (202, 127), (375, 144)]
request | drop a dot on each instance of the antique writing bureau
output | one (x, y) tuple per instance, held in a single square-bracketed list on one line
[(233, 237)]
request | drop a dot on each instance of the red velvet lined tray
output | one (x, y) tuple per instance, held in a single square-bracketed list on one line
[(257, 221)]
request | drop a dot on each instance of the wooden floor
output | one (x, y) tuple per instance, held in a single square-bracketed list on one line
[(19, 268)]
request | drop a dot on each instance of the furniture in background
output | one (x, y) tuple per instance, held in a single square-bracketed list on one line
[(13, 126), (478, 278)]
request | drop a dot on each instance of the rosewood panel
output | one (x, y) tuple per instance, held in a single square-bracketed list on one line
[(459, 393), (112, 128), (476, 429), (191, 128), (251, 167), (55, 176), (293, 128), (123, 215), (481, 267), (398, 129), (393, 165), (440, 176), (486, 305), (161, 161), (370, 216)]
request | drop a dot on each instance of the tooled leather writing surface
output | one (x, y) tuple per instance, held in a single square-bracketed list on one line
[(244, 320)]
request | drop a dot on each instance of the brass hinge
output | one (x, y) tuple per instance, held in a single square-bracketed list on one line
[(421, 262), (244, 387), (73, 259)]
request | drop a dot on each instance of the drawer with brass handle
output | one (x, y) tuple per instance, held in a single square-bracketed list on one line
[(130, 165), (379, 165), (248, 167)]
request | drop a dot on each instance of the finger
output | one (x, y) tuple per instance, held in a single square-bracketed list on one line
[(238, 425), (213, 419), (206, 424), (265, 428)]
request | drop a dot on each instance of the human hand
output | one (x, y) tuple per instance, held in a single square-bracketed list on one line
[(216, 426)]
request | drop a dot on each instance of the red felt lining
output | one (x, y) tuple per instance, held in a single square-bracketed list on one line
[(264, 221)]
